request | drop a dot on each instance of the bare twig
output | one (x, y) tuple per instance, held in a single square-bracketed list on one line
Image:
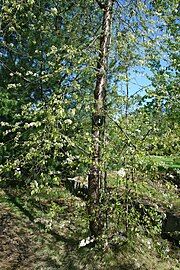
[(119, 126)]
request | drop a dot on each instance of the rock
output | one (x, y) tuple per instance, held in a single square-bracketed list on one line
[(171, 227)]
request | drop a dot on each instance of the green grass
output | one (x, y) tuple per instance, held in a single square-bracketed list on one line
[(166, 161), (26, 246)]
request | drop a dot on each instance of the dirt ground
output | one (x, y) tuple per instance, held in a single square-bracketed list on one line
[(15, 242)]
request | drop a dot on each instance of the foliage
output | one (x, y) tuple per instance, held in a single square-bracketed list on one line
[(49, 65)]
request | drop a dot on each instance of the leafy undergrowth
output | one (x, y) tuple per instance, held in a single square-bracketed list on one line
[(156, 192), (34, 236)]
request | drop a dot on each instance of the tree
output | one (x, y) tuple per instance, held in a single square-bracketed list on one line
[(64, 113), (99, 119), (44, 61)]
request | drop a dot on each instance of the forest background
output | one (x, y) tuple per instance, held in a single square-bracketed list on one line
[(89, 134)]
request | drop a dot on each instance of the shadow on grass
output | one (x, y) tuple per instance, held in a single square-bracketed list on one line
[(15, 200), (61, 252)]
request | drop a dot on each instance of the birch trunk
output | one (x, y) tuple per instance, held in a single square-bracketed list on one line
[(98, 120)]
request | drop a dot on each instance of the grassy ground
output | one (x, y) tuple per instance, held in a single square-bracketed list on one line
[(44, 234), (167, 161)]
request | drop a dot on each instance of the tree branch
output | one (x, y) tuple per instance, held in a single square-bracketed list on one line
[(101, 5), (119, 126)]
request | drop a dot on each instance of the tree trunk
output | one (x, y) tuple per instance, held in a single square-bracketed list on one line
[(98, 121)]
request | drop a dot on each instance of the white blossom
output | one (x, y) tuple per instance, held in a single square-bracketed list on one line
[(121, 172), (68, 121), (86, 241), (54, 10)]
